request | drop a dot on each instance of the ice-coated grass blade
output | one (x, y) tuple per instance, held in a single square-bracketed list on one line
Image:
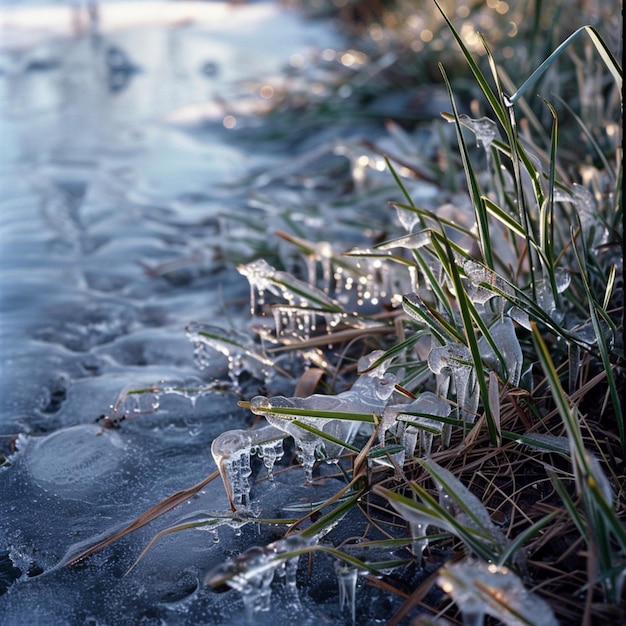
[(484, 237), (294, 413), (468, 316), (145, 518)]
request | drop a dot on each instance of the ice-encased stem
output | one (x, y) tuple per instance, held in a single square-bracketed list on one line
[(252, 572), (231, 452)]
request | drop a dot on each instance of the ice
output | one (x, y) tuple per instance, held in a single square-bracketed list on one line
[(484, 128), (480, 588), (252, 572), (545, 292), (307, 442), (297, 293), (478, 274), (370, 393), (412, 241), (102, 182), (242, 353), (347, 575), (592, 227), (74, 462), (421, 423), (455, 360), (231, 452), (502, 331)]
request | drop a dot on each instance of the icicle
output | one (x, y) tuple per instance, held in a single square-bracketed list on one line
[(231, 452), (270, 452), (240, 350), (347, 576), (252, 572), (421, 426), (407, 218), (259, 274), (456, 359)]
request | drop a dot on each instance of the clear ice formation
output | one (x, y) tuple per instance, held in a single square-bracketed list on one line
[(302, 299), (242, 353), (502, 332), (347, 575), (369, 394), (455, 360), (252, 572), (414, 422), (592, 227), (479, 276), (73, 462), (421, 423), (231, 452), (480, 588)]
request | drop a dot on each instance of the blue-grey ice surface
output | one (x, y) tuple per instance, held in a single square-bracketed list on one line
[(108, 206)]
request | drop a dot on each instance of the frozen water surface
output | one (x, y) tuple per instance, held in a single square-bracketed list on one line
[(115, 175)]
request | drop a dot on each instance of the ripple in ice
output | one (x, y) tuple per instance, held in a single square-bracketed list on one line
[(75, 462)]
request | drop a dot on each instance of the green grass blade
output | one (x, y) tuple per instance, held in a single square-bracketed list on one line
[(602, 49), (484, 237)]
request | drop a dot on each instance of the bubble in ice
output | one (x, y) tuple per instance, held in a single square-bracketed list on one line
[(72, 462)]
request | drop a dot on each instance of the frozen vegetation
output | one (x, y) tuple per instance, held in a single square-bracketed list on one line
[(249, 379)]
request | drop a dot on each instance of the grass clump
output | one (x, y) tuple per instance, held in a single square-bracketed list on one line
[(492, 285)]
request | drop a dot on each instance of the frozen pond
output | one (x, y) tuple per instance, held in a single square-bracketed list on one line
[(116, 164)]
